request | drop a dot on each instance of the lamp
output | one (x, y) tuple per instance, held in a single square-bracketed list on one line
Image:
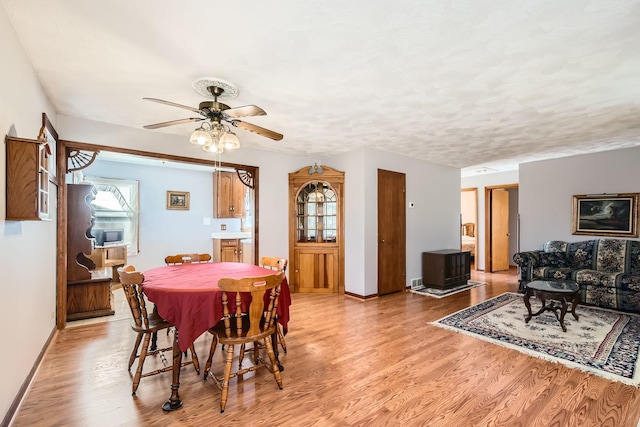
[(200, 137), (229, 140), (214, 137)]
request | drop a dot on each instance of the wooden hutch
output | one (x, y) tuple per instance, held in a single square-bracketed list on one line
[(316, 230)]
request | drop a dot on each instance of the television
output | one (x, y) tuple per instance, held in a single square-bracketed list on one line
[(107, 237)]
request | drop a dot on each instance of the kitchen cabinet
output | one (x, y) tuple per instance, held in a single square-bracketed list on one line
[(229, 194), (27, 180), (227, 250)]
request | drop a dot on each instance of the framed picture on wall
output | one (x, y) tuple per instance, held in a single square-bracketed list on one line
[(606, 215), (178, 200)]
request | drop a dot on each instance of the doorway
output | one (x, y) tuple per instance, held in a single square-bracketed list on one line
[(469, 223), (501, 235), (391, 232), (84, 154)]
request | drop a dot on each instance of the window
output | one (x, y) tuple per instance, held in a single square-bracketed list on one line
[(116, 207)]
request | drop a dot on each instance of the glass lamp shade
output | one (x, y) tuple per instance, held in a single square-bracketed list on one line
[(229, 141), (213, 148), (200, 137)]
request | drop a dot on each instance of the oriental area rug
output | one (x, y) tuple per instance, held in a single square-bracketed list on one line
[(441, 293), (602, 342)]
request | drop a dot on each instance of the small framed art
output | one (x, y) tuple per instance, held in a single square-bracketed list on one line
[(178, 200)]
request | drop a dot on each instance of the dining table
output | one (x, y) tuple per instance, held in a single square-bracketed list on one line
[(187, 296)]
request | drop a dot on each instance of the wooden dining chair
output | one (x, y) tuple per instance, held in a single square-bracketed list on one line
[(279, 264), (146, 325), (238, 328), (186, 259)]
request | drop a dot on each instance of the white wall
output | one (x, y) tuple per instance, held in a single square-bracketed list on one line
[(547, 189), (514, 197), (432, 224), (27, 248), (468, 207), (480, 182)]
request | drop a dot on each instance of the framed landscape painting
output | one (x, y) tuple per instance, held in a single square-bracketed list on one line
[(613, 215), (178, 200)]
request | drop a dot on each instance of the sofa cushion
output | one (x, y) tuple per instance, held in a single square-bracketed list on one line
[(555, 246), (580, 254), (630, 282), (552, 273), (553, 259), (610, 255), (597, 278)]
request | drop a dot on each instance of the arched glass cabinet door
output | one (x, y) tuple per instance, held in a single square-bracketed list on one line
[(316, 213)]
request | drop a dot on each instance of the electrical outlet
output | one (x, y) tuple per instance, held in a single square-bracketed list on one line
[(223, 227)]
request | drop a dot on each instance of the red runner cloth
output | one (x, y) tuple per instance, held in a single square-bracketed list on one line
[(188, 296)]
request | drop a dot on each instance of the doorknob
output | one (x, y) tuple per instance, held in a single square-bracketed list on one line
[(382, 241)]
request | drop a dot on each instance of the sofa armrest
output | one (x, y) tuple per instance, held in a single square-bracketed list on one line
[(526, 261)]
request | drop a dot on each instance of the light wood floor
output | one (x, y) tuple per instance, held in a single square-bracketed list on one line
[(349, 363)]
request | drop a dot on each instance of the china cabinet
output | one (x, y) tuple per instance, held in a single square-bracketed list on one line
[(88, 295), (27, 179), (316, 246)]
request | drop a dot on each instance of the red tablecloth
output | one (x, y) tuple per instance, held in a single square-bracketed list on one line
[(188, 296)]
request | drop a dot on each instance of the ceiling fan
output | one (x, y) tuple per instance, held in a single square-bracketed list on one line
[(216, 112)]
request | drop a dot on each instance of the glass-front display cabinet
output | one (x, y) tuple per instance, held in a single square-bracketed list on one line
[(316, 247), (316, 214)]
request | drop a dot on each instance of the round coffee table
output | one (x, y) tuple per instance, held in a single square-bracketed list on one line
[(558, 291)]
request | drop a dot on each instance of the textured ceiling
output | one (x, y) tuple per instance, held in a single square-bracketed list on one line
[(461, 83)]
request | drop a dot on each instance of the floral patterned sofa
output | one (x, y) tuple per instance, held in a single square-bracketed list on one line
[(607, 270)]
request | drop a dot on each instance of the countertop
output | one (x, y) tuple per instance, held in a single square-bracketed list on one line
[(231, 235)]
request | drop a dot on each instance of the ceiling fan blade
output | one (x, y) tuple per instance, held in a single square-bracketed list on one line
[(245, 111), (172, 122), (173, 104), (257, 129)]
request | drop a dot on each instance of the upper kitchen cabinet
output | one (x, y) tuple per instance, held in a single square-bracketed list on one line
[(230, 195), (27, 179)]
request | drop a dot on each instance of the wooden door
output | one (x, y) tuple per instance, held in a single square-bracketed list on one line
[(391, 232), (499, 230)]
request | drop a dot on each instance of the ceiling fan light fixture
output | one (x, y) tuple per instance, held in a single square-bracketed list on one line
[(213, 148), (229, 141), (200, 137)]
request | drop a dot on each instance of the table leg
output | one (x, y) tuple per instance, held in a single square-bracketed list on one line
[(174, 401), (563, 311), (575, 302), (527, 295)]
